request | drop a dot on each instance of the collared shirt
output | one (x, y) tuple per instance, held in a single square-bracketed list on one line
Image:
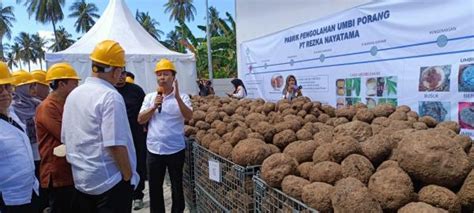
[(48, 130), (17, 170), (165, 129), (95, 118)]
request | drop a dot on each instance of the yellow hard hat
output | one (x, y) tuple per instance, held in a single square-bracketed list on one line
[(129, 80), (61, 71), (5, 76), (110, 53), (164, 64), (23, 77), (40, 75)]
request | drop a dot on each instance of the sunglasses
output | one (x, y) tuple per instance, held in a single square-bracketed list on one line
[(7, 87)]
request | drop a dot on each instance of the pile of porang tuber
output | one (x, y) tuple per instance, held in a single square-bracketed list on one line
[(352, 159)]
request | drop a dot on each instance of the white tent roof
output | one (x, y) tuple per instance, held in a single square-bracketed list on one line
[(141, 49)]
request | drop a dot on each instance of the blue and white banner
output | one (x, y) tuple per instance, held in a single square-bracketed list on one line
[(415, 53)]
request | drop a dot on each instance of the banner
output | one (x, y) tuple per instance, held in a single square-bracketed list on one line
[(415, 53)]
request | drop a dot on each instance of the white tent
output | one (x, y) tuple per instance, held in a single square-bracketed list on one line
[(141, 49)]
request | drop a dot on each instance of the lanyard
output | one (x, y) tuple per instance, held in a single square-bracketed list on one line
[(11, 121)]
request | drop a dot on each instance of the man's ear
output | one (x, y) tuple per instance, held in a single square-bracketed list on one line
[(60, 84)]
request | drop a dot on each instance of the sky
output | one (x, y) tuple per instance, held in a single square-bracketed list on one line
[(154, 7)]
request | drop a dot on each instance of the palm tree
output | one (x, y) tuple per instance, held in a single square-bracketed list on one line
[(45, 11), (38, 51), (26, 45), (172, 41), (10, 60), (223, 45), (149, 24), (6, 19), (16, 52), (85, 14), (180, 10), (214, 19), (64, 40), (214, 29)]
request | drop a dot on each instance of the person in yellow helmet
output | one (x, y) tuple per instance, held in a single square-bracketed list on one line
[(98, 137), (165, 111), (42, 87), (25, 79), (17, 169), (133, 96), (129, 79), (55, 171), (25, 104)]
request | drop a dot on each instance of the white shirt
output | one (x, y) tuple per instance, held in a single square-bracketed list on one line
[(17, 170), (165, 129), (240, 93), (95, 118)]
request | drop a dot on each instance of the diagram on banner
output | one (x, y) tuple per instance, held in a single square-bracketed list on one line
[(466, 115), (378, 90), (435, 78), (277, 82), (351, 89), (466, 78), (436, 109)]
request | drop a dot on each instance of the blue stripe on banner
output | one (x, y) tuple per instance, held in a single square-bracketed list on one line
[(364, 52), (365, 62)]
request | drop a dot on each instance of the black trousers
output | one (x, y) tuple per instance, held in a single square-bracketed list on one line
[(61, 199), (42, 199), (140, 150), (157, 165), (116, 200), (25, 208)]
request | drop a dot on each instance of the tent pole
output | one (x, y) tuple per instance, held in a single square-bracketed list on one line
[(209, 53)]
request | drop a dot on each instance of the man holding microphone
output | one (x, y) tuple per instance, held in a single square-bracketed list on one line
[(165, 112)]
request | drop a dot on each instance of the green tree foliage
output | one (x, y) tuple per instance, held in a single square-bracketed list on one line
[(223, 45), (45, 11), (85, 14), (26, 48), (180, 10), (15, 51), (11, 60), (149, 24), (6, 19), (63, 41), (38, 49)]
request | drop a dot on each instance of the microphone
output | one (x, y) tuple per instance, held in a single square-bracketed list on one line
[(298, 87), (160, 91)]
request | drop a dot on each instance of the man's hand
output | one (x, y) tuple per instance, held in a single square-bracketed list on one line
[(176, 89), (120, 156), (290, 88), (158, 101), (127, 176)]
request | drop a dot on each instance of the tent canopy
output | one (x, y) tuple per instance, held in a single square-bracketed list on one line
[(141, 49)]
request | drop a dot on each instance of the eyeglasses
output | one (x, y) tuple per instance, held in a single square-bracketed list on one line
[(7, 87)]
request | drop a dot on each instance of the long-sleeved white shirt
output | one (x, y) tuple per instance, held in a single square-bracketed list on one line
[(240, 93), (17, 169)]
